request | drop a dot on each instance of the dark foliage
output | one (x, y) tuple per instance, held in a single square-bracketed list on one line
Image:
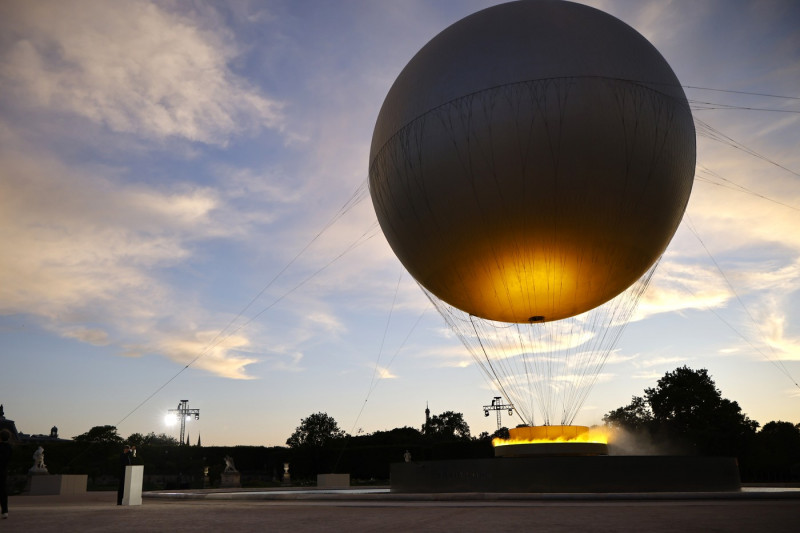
[(686, 413), (151, 439), (687, 410), (100, 434), (315, 430), (447, 426)]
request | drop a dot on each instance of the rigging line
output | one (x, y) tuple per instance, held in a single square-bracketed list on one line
[(483, 349), (628, 307), (372, 387), (525, 352), (613, 316), (355, 244), (385, 332), (402, 344), (713, 133), (745, 339), (218, 340), (778, 363), (355, 198), (740, 188), (698, 105), (457, 320), (741, 92), (641, 83)]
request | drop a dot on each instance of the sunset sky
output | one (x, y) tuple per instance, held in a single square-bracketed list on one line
[(183, 185)]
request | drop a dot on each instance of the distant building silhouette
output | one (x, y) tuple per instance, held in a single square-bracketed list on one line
[(9, 425), (427, 418), (18, 436)]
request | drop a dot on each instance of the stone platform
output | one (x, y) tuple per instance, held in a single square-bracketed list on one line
[(564, 474), (49, 484)]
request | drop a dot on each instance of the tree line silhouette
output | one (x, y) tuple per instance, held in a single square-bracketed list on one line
[(684, 414)]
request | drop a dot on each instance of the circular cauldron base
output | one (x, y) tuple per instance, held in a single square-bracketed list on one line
[(569, 474), (551, 448)]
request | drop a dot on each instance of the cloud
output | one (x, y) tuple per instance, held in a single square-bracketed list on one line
[(615, 357), (132, 67), (95, 336), (678, 286), (781, 346), (75, 237), (384, 373), (450, 355), (658, 361), (288, 362), (647, 376), (203, 352), (82, 247)]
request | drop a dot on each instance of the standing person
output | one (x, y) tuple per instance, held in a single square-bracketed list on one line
[(124, 460), (5, 458)]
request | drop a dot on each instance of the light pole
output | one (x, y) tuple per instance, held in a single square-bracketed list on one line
[(184, 413), (498, 405)]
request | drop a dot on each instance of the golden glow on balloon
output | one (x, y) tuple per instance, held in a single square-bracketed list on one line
[(508, 285)]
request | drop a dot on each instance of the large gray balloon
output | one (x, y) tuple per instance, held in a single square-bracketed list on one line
[(532, 161)]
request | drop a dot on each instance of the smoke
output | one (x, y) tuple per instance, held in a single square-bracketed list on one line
[(632, 442)]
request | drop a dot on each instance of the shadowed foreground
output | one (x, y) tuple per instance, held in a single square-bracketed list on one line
[(98, 512)]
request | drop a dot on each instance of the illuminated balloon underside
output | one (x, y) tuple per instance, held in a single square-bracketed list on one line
[(529, 164)]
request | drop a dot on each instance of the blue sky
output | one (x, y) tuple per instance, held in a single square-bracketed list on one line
[(165, 164)]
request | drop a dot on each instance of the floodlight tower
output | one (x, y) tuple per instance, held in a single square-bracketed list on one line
[(184, 413), (498, 405)]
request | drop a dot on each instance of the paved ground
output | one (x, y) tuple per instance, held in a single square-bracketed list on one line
[(97, 511)]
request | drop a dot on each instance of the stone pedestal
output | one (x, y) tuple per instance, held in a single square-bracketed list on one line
[(46, 484), (333, 481), (231, 480), (286, 480), (134, 474)]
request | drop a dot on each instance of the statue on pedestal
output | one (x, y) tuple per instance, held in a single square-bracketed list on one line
[(38, 462), (230, 476)]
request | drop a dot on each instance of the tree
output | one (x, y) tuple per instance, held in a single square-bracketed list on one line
[(405, 436), (448, 425), (688, 404), (100, 434), (686, 407), (315, 430), (151, 439), (634, 416), (778, 444), (501, 433)]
